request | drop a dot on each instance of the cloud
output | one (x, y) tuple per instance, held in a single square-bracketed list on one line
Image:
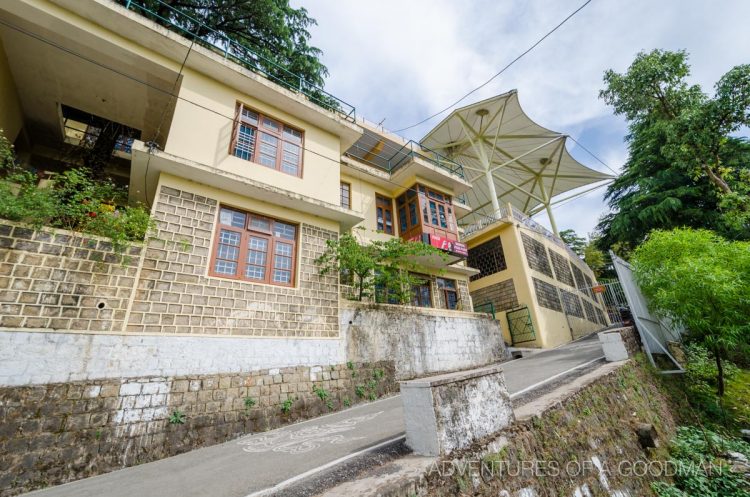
[(404, 60)]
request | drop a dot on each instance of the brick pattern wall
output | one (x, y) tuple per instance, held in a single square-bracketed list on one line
[(60, 432), (502, 295), (174, 294), (572, 304), (536, 255), (55, 280), (562, 268), (546, 295)]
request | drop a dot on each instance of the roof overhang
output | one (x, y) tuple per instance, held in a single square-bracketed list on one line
[(508, 156)]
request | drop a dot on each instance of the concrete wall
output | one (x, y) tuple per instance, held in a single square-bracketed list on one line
[(420, 341), (11, 116), (58, 432)]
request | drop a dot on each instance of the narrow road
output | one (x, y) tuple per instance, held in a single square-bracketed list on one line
[(256, 463)]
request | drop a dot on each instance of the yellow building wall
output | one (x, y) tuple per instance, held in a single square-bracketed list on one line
[(11, 116), (204, 136), (552, 328)]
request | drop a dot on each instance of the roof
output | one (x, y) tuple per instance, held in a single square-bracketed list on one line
[(529, 164)]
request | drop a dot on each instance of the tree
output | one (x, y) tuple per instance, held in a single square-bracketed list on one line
[(380, 269), (271, 29), (701, 281), (594, 258), (685, 166), (572, 240)]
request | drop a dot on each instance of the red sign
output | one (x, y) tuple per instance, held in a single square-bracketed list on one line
[(449, 246), (598, 289)]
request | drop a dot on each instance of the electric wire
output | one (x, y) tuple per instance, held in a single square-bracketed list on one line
[(532, 47)]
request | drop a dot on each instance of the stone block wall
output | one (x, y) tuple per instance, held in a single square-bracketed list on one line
[(502, 295), (58, 432), (55, 279), (175, 295)]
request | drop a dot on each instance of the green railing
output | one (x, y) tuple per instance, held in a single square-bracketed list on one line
[(486, 308), (218, 42)]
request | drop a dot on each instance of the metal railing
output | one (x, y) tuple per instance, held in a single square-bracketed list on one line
[(484, 222), (218, 42), (408, 151), (88, 137), (538, 228)]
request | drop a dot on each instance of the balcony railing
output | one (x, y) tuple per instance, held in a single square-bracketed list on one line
[(484, 222), (410, 150), (192, 28)]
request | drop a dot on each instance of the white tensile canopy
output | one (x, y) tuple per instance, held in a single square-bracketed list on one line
[(507, 157)]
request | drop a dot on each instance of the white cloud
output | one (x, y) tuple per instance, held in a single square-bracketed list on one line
[(404, 60)]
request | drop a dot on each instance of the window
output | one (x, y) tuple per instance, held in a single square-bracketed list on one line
[(265, 141), (437, 210), (421, 295), (488, 257), (450, 294), (254, 248), (346, 195), (384, 214)]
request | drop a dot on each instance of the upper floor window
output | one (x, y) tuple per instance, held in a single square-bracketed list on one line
[(384, 214), (449, 291), (437, 210), (254, 248), (261, 139), (346, 195)]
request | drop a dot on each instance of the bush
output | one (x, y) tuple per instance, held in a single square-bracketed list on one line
[(74, 201)]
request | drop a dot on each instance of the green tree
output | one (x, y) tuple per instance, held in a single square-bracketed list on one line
[(594, 258), (380, 269), (701, 281), (272, 29), (574, 241), (685, 167)]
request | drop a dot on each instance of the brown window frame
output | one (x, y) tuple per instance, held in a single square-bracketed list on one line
[(446, 203), (349, 194), (386, 204), (418, 197), (246, 233), (259, 127), (445, 291), (425, 283)]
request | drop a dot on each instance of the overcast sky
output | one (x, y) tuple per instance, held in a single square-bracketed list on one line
[(404, 60)]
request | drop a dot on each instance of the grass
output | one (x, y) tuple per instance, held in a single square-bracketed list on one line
[(737, 399)]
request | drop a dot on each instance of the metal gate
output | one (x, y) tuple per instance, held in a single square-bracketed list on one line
[(611, 295), (520, 325)]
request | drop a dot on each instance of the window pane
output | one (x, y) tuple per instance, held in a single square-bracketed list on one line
[(292, 135), (433, 213), (379, 215), (402, 219), (443, 221), (229, 237), (284, 230), (388, 221), (228, 252), (290, 158), (451, 300), (281, 276), (413, 217), (256, 258), (260, 223), (250, 117), (346, 195), (232, 218), (271, 124), (225, 267), (255, 272), (284, 249), (268, 147), (245, 145)]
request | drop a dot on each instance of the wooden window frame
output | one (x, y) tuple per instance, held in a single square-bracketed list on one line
[(246, 232), (421, 201), (426, 283), (380, 201), (445, 291), (259, 128), (349, 199)]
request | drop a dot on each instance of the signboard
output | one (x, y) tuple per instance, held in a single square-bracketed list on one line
[(598, 289), (450, 246)]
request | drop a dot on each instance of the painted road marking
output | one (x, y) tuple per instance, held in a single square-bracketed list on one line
[(554, 377)]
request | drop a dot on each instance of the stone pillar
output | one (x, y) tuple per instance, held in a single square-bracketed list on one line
[(451, 411), (613, 345)]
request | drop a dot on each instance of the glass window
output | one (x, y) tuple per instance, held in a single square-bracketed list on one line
[(254, 248), (384, 214), (263, 140), (450, 294), (346, 195)]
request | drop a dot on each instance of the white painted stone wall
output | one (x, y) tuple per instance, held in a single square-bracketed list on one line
[(28, 357), (420, 341)]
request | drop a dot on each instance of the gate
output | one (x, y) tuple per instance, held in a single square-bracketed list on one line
[(520, 325), (612, 296)]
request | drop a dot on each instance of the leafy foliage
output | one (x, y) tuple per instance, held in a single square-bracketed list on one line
[(685, 167), (380, 269), (700, 281), (699, 459), (272, 29), (177, 417), (573, 240), (75, 201)]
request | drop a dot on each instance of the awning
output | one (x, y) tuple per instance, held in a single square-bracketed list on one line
[(507, 157)]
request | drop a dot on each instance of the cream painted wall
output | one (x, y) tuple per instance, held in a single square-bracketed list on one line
[(11, 115), (204, 136)]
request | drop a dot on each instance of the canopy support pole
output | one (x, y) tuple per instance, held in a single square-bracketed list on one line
[(493, 193)]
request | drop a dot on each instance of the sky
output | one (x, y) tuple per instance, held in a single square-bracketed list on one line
[(404, 60)]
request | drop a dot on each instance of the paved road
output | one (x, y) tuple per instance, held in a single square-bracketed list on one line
[(255, 463)]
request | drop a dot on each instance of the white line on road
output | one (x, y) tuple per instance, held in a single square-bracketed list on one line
[(302, 476), (554, 377)]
